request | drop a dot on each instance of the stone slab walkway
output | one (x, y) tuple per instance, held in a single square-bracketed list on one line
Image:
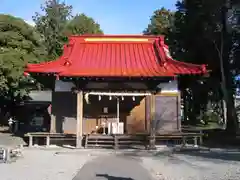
[(113, 168)]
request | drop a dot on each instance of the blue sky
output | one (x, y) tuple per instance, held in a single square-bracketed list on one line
[(114, 16)]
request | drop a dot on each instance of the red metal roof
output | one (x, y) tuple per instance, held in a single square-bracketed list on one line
[(116, 56), (55, 66)]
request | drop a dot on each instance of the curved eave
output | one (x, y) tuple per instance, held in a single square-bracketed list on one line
[(178, 67), (181, 68), (46, 63), (47, 67), (54, 66), (72, 73)]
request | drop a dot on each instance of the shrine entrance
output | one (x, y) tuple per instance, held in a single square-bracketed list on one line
[(111, 110)]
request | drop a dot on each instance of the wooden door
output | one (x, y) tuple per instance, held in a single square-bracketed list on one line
[(167, 112)]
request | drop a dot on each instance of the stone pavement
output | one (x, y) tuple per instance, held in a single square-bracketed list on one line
[(113, 168)]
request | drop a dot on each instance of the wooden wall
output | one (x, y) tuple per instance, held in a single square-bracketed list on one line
[(161, 111), (166, 112), (135, 121)]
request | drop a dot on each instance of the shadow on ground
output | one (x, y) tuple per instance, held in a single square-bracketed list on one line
[(225, 155), (113, 168), (106, 176)]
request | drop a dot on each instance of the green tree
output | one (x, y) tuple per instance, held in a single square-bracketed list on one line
[(204, 30), (198, 35), (82, 24), (161, 22), (51, 25), (19, 44), (234, 27)]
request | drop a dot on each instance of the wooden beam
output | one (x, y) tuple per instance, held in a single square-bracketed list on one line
[(79, 128)]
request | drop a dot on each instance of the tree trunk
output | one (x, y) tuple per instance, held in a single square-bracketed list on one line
[(232, 122), (227, 82)]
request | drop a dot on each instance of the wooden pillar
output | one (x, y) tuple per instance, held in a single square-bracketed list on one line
[(152, 139), (48, 141), (147, 113), (50, 111), (30, 143), (79, 128), (7, 155), (179, 109), (53, 124), (153, 107)]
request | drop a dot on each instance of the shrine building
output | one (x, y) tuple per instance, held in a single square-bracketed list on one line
[(114, 84)]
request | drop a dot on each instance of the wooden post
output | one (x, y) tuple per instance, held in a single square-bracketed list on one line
[(52, 113), (152, 138), (184, 141), (7, 155), (201, 139), (118, 115), (147, 113), (195, 141), (30, 143), (53, 124), (179, 109), (115, 142), (48, 141), (79, 119)]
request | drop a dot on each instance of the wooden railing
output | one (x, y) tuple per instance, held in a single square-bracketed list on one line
[(119, 141), (35, 136), (141, 140), (114, 141)]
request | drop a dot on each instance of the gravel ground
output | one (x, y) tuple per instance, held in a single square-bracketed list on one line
[(65, 164), (38, 164), (9, 140), (203, 165)]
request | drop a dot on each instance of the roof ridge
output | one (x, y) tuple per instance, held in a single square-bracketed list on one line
[(117, 36), (94, 38)]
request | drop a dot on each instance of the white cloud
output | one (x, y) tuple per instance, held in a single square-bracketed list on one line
[(30, 22)]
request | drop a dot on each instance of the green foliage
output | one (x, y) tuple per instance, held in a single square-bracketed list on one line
[(19, 44), (82, 24), (235, 23), (56, 24), (202, 36), (198, 35), (51, 25), (161, 22)]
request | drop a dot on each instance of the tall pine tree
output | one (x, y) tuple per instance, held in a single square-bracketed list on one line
[(51, 25)]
